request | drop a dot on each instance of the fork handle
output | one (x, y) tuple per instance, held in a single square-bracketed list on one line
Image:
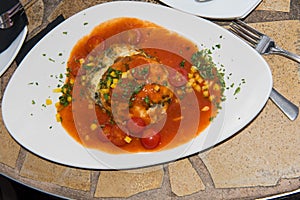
[(287, 107), (280, 51)]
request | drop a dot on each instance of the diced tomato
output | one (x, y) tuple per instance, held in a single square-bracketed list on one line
[(151, 139)]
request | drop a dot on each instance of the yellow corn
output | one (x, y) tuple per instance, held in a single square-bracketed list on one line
[(127, 139), (57, 104), (124, 75), (58, 117), (156, 88), (108, 83), (190, 75), (205, 108), (81, 60), (93, 126), (211, 97), (104, 91), (57, 90), (113, 74), (194, 69), (205, 93), (48, 102), (216, 87), (113, 85), (205, 87), (197, 88), (72, 81), (69, 99)]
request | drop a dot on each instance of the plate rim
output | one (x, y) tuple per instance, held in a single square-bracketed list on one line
[(21, 37), (236, 15)]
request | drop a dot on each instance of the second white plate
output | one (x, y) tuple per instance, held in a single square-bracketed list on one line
[(215, 9)]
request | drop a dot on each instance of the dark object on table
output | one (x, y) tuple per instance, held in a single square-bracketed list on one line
[(12, 190), (7, 36)]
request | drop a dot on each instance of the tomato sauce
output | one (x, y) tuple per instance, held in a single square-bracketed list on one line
[(171, 50)]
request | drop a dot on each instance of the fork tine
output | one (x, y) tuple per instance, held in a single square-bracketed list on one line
[(249, 28), (248, 37)]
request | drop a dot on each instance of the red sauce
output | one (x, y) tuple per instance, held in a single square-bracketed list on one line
[(171, 50)]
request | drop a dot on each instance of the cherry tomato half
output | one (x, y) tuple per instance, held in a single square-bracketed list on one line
[(152, 141)]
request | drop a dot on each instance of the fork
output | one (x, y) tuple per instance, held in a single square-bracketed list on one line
[(261, 42), (265, 45), (6, 18)]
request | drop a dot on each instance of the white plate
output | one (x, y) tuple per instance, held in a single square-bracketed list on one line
[(215, 9), (34, 126), (7, 56)]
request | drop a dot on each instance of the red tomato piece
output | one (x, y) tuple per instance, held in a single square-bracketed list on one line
[(151, 139), (135, 126)]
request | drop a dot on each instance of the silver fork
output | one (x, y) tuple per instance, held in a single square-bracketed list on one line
[(264, 45), (261, 42), (6, 18)]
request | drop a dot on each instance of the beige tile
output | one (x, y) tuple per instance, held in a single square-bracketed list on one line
[(9, 149), (184, 179), (275, 5), (41, 170), (35, 14), (129, 182), (268, 149)]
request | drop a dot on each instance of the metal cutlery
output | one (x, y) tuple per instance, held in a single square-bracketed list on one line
[(265, 45), (6, 20), (261, 42)]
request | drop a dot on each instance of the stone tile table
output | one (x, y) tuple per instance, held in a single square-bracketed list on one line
[(239, 168)]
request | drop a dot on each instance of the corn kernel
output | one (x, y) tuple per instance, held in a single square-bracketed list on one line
[(194, 69), (57, 104), (205, 108), (205, 93), (69, 99), (57, 90), (113, 74), (113, 85), (83, 78), (199, 80), (189, 84), (205, 87), (197, 88), (127, 139), (72, 81), (104, 91), (192, 80), (81, 60), (48, 102), (124, 75), (216, 87), (93, 126), (211, 97), (108, 83), (58, 117), (156, 88), (190, 75)]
